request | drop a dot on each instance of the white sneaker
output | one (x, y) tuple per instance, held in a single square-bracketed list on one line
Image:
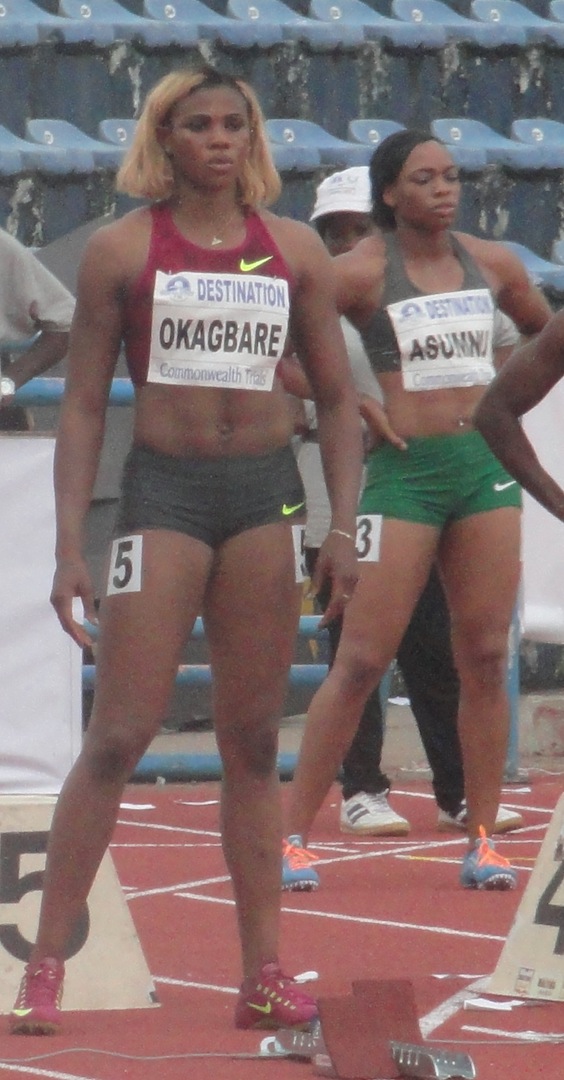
[(505, 821), (371, 815)]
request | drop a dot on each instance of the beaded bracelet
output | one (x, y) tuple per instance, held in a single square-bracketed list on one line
[(341, 532)]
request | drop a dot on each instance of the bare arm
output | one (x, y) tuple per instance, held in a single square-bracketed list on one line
[(49, 348), (94, 346), (525, 379), (379, 427), (515, 293), (319, 342), (293, 377)]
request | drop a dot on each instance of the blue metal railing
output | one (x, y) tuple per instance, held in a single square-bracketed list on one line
[(48, 391)]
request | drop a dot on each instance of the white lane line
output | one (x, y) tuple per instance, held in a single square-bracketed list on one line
[(195, 985), (183, 845), (203, 802), (448, 1008), (28, 1070), (169, 828), (524, 1036), (510, 805), (361, 919), (404, 849), (164, 889), (516, 861)]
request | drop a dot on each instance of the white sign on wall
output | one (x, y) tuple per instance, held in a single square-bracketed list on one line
[(543, 534), (40, 667)]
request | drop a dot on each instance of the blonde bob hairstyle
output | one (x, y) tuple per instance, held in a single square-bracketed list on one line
[(147, 172)]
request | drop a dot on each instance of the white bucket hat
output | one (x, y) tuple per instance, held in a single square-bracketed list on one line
[(342, 192)]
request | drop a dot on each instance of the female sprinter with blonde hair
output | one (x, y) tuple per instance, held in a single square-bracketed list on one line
[(202, 286)]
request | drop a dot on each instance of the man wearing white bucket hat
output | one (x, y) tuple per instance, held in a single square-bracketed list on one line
[(342, 217)]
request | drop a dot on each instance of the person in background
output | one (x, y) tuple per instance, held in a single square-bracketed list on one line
[(35, 316), (342, 217), (423, 299), (532, 372), (203, 285)]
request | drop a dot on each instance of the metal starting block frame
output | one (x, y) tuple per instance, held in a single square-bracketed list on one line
[(374, 1032), (413, 1061), (303, 1045), (431, 1063)]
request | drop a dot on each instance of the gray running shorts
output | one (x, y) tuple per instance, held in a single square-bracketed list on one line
[(210, 499)]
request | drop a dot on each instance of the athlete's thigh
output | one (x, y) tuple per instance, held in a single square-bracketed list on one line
[(251, 610), (387, 590), (154, 592), (425, 652), (480, 562)]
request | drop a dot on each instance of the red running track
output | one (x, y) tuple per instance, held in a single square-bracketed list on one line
[(386, 909)]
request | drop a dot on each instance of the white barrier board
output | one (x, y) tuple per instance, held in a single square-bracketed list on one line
[(530, 965), (543, 534), (40, 667), (105, 967)]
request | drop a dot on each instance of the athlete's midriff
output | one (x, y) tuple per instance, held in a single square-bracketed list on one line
[(430, 412), (432, 353), (188, 407)]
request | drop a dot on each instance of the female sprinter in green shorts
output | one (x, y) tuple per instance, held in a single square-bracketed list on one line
[(423, 300)]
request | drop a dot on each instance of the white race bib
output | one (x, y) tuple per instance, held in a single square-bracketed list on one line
[(126, 557), (222, 330), (445, 339), (368, 533), (298, 540)]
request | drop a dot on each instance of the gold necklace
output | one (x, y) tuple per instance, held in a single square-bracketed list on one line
[(224, 223), (216, 240)]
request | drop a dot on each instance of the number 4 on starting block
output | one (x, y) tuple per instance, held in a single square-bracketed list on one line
[(105, 966), (531, 964)]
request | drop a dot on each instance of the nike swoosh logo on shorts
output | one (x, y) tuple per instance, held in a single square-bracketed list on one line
[(246, 267), (502, 487), (286, 510)]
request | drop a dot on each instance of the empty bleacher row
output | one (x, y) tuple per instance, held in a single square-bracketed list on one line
[(314, 59), (333, 76), (64, 175), (60, 147)]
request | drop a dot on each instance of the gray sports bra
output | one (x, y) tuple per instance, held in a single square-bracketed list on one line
[(378, 336)]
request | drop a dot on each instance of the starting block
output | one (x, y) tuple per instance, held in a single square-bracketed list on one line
[(373, 1033), (531, 962), (432, 1064), (105, 966)]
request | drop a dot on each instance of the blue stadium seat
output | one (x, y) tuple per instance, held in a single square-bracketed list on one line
[(456, 26), (42, 157), (66, 136), (376, 26), (117, 131), (111, 18), (189, 16), (11, 162), (546, 135), (557, 252), (299, 159), (333, 151), (15, 31), (541, 271), (297, 27), (18, 18), (556, 10), (469, 154), (460, 133), (288, 158), (372, 132), (510, 13)]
